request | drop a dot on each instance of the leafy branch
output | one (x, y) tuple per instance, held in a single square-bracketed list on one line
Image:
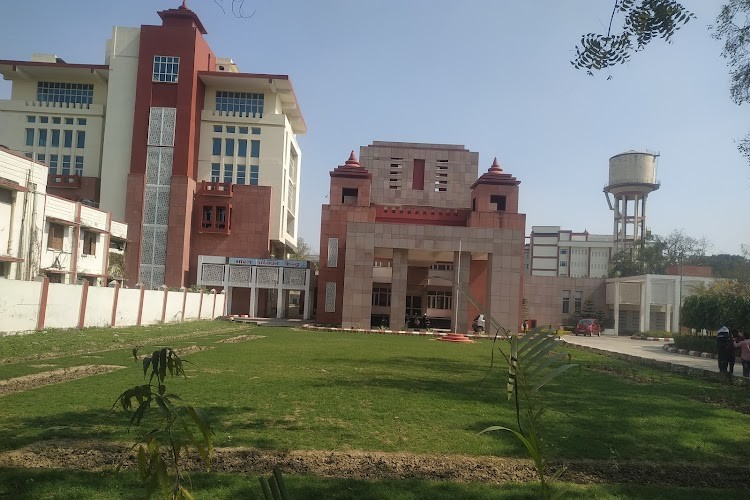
[(643, 21), (176, 427)]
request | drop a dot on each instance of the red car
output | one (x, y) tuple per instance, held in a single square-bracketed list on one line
[(589, 327)]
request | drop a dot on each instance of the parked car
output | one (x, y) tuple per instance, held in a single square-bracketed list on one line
[(478, 324), (588, 327)]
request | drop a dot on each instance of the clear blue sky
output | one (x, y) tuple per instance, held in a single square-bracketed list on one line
[(492, 75)]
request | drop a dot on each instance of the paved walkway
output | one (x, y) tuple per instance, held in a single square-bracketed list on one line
[(649, 349)]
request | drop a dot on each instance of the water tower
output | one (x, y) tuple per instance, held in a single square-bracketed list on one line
[(632, 176)]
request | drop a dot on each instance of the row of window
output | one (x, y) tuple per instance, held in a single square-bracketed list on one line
[(54, 119), (68, 93), (236, 174), (249, 103), (578, 299), (234, 147), (52, 138), (436, 299), (232, 129), (56, 237)]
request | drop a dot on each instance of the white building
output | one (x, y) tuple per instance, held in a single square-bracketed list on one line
[(552, 251), (42, 234)]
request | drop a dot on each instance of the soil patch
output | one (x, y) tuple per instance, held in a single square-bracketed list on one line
[(34, 380), (240, 338), (364, 465)]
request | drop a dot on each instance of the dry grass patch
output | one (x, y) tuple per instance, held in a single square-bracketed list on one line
[(35, 380)]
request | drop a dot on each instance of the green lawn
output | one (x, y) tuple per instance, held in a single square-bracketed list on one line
[(297, 390)]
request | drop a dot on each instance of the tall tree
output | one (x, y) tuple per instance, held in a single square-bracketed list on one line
[(655, 254)]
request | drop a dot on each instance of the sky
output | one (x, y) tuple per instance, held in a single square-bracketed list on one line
[(493, 75)]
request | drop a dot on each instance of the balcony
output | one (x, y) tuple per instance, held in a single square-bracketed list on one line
[(225, 189)]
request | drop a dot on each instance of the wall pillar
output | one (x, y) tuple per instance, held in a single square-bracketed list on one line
[(84, 299), (617, 307), (114, 304), (461, 274), (280, 312), (41, 315), (399, 272), (307, 294), (677, 306)]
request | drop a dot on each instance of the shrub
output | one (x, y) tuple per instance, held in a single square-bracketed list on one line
[(700, 343)]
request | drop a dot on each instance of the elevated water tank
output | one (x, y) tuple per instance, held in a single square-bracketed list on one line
[(632, 176)]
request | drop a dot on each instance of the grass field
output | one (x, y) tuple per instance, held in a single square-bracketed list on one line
[(298, 390)]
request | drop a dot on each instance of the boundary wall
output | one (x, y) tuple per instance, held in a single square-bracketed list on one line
[(36, 305)]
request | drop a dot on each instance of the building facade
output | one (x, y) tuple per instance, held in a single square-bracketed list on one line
[(553, 251), (197, 157), (408, 227), (44, 235)]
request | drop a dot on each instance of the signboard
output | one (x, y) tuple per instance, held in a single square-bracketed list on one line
[(299, 264)]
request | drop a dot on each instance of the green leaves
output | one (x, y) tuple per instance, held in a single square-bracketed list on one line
[(174, 428), (644, 21)]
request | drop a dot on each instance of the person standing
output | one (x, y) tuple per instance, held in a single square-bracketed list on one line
[(724, 350), (744, 346)]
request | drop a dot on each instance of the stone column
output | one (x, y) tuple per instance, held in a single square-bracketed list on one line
[(461, 274), (280, 313), (646, 304), (398, 288), (617, 307)]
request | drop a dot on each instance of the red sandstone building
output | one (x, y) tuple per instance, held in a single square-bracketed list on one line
[(196, 157), (409, 223)]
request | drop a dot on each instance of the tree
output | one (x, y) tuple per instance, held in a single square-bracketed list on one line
[(722, 303), (646, 20), (654, 254)]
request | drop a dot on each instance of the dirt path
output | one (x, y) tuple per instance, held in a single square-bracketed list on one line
[(34, 380), (380, 465)]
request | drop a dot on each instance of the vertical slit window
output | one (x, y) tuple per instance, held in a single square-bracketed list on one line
[(254, 174), (255, 149), (216, 147), (79, 165), (229, 147), (228, 172), (241, 174), (67, 138), (42, 138), (80, 139), (242, 148), (66, 165), (30, 137), (215, 172), (55, 138)]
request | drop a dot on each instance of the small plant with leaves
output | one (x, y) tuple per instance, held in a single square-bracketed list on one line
[(273, 487), (173, 428), (532, 363)]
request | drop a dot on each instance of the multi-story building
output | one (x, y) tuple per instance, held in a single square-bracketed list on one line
[(43, 234), (552, 251), (197, 157), (408, 227)]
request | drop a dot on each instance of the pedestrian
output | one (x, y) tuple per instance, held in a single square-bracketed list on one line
[(744, 346), (724, 350)]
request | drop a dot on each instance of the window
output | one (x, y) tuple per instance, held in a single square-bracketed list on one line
[(66, 165), (44, 119), (29, 136), (41, 158), (67, 138), (254, 174), (79, 165), (499, 201), (229, 147), (381, 296), (55, 277), (578, 300), (80, 139), (208, 217), (563, 263), (68, 121), (563, 251), (55, 237), (89, 242), (439, 299), (242, 147), (228, 174), (255, 130), (240, 102), (230, 129), (166, 69), (566, 302), (255, 149), (215, 172), (442, 266), (216, 147), (56, 119), (82, 121), (243, 130), (42, 138), (69, 93), (53, 164), (215, 217), (217, 129), (441, 176), (56, 138), (241, 174), (30, 119), (349, 196)]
